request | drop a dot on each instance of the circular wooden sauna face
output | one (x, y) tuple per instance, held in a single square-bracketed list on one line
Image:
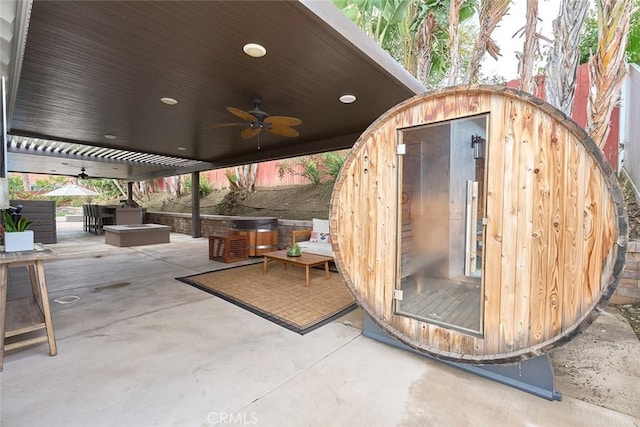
[(487, 191)]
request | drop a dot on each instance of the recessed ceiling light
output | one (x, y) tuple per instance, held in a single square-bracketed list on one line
[(65, 163), (347, 99), (169, 101), (181, 149), (254, 50), (109, 136)]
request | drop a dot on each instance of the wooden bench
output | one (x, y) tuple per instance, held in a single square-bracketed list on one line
[(136, 234)]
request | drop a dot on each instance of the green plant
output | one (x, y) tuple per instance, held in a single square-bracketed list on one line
[(294, 250), (310, 169), (333, 162), (11, 226), (205, 189)]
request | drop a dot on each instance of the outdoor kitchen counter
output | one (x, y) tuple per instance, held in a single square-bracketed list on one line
[(136, 234)]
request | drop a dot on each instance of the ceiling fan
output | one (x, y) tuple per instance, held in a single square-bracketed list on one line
[(255, 120), (82, 174)]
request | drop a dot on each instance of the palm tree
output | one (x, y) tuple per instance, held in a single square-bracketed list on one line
[(565, 54), (607, 66), (530, 49), (414, 32), (454, 41), (491, 13)]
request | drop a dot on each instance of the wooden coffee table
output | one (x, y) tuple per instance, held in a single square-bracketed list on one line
[(305, 260)]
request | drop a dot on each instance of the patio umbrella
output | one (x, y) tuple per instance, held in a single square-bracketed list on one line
[(71, 190)]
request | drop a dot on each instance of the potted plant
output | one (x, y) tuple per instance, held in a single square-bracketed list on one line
[(17, 236), (294, 250)]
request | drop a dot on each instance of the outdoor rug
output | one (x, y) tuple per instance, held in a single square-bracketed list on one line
[(281, 295)]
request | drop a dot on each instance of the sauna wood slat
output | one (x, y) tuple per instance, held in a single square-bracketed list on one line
[(553, 320), (493, 239), (522, 286), (575, 191)]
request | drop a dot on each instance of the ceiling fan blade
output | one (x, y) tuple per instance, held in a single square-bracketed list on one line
[(224, 125), (242, 114), (250, 132), (278, 121), (282, 131)]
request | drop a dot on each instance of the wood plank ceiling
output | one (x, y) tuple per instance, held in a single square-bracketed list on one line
[(91, 69)]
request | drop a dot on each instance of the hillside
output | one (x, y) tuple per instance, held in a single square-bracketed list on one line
[(287, 202)]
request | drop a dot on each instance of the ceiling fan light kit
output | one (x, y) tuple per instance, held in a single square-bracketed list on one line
[(255, 120)]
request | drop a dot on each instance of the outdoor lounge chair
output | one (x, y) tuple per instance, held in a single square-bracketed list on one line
[(315, 241)]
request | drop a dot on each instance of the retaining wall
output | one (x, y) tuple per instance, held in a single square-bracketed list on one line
[(215, 224), (628, 291)]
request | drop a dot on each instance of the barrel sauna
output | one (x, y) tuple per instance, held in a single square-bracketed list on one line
[(261, 232), (478, 224)]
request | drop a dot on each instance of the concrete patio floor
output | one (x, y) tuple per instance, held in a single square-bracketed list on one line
[(141, 349)]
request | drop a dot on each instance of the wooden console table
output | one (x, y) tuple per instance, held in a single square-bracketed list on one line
[(27, 314)]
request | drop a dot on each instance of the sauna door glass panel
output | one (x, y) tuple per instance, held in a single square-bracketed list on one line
[(441, 209)]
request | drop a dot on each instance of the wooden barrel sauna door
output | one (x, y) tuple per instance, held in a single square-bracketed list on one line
[(478, 224)]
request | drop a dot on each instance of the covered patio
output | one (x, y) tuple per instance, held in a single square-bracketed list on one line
[(140, 348)]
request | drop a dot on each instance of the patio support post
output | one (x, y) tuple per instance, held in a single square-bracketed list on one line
[(4, 176), (195, 205), (130, 193)]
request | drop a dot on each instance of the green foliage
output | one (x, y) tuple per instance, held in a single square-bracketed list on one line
[(10, 226), (589, 36), (318, 168), (393, 24), (233, 179), (15, 185), (333, 162), (206, 187), (633, 46), (106, 187), (310, 169), (76, 202)]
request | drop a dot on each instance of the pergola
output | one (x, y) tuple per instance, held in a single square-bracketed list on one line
[(81, 73), (85, 82)]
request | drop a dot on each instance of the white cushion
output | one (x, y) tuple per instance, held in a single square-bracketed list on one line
[(320, 225), (316, 248)]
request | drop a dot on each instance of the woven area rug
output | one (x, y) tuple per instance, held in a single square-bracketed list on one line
[(281, 295)]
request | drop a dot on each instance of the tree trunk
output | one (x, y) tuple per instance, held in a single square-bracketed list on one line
[(26, 185), (246, 175), (119, 187), (560, 84), (607, 68), (530, 49), (423, 47), (454, 41), (491, 13)]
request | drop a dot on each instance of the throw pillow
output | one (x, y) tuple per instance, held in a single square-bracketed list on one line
[(317, 237)]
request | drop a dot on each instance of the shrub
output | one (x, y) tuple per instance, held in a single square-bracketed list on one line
[(333, 163), (206, 187), (310, 169)]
